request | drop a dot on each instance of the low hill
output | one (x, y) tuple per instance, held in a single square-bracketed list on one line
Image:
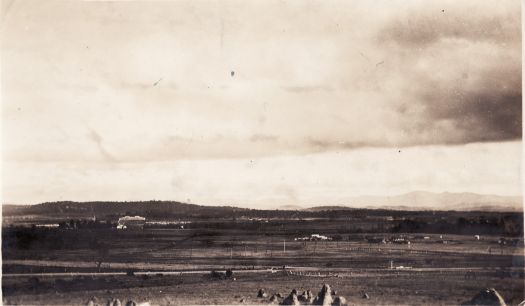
[(103, 209), (407, 204), (322, 208)]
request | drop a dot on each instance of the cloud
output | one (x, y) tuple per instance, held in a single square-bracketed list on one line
[(307, 88), (264, 138), (352, 82), (420, 31), (396, 74), (322, 145), (458, 75), (421, 26), (99, 142), (313, 179), (151, 85), (288, 192)]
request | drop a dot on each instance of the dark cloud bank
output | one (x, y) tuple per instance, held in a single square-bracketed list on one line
[(474, 80)]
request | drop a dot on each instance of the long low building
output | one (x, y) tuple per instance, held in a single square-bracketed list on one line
[(129, 222)]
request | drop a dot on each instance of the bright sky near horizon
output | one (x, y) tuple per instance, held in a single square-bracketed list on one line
[(259, 103)]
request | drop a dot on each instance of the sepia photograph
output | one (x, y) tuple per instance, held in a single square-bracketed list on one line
[(276, 152)]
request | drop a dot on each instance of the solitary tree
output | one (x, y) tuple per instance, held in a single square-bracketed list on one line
[(102, 253)]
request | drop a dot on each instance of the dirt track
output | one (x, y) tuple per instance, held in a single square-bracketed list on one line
[(292, 270)]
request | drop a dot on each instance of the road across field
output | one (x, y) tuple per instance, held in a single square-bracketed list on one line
[(293, 270)]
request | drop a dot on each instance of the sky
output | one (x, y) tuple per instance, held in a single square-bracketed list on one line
[(259, 103)]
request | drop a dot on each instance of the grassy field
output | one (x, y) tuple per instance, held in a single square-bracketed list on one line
[(383, 287), (441, 269)]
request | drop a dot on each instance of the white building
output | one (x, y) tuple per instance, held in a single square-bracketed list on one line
[(135, 222)]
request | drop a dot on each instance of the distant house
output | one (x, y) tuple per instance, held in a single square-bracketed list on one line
[(319, 237), (129, 222), (400, 240)]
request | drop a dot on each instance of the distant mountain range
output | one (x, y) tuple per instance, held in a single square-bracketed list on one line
[(423, 200)]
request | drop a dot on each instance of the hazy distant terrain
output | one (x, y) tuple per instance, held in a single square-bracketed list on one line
[(440, 201), (422, 200)]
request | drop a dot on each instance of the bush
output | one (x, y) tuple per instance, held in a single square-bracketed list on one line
[(219, 275), (33, 283), (337, 238)]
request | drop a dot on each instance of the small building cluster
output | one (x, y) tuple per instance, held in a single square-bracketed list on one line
[(313, 237), (392, 239)]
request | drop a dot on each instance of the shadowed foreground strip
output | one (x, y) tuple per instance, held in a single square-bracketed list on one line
[(327, 297), (488, 296)]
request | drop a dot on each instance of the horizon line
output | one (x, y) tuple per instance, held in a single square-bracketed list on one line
[(284, 204)]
